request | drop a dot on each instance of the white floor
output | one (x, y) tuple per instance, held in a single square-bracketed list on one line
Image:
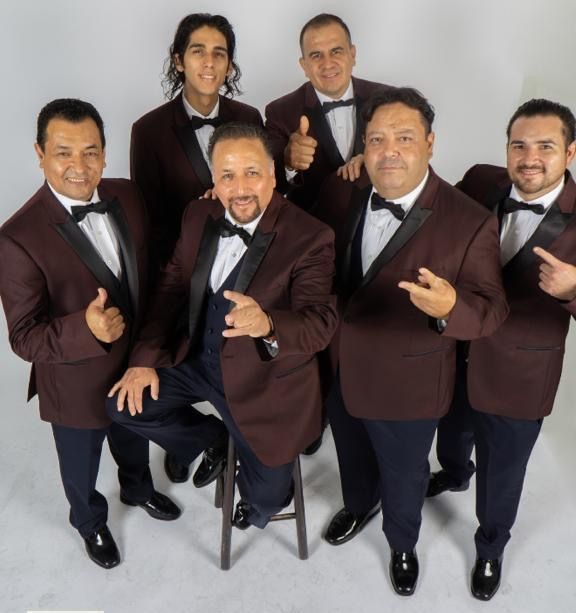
[(174, 567)]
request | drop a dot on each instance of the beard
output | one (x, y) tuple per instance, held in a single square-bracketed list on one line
[(245, 215)]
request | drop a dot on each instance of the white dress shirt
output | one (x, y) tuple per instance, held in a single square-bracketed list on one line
[(99, 230), (229, 253), (380, 226), (342, 122), (204, 133), (518, 227)]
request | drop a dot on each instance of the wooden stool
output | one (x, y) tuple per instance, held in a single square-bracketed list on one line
[(224, 498)]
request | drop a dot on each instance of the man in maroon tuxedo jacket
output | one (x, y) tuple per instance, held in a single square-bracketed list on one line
[(168, 153), (253, 251), (72, 282), (513, 375), (417, 270), (316, 129)]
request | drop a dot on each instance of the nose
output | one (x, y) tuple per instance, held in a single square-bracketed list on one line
[(530, 155), (78, 164)]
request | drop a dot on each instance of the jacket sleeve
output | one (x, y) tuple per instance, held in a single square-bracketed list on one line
[(34, 334), (481, 304)]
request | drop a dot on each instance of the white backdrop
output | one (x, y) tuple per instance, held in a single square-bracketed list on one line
[(475, 61)]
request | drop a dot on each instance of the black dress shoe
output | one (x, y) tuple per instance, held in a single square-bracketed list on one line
[(442, 482), (346, 525), (241, 513), (212, 464), (176, 471), (159, 506), (485, 578), (404, 572), (101, 548), (313, 446)]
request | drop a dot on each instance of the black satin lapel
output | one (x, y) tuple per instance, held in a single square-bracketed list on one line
[(325, 139), (359, 131), (553, 224), (358, 200), (412, 222), (130, 268), (201, 273), (252, 259), (80, 243), (187, 137)]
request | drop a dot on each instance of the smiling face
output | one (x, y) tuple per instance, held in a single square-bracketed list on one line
[(73, 158), (243, 176), (205, 64), (537, 155), (396, 149), (327, 59)]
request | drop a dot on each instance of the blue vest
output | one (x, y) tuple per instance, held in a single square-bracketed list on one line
[(215, 308)]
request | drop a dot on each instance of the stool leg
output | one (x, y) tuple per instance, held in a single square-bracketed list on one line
[(219, 491), (228, 507), (300, 512)]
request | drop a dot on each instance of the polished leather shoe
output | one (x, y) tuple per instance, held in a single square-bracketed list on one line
[(346, 525), (313, 446), (101, 548), (159, 506), (175, 470), (442, 482), (404, 572), (241, 513), (485, 579), (212, 465)]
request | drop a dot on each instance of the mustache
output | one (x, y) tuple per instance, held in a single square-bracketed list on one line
[(244, 199), (532, 167)]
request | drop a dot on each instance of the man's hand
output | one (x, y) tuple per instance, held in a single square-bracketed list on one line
[(351, 170), (209, 194), (107, 325), (557, 278), (131, 386), (299, 152), (431, 294), (246, 318)]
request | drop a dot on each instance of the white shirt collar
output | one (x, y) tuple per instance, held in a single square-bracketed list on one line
[(68, 203), (410, 198), (192, 112), (249, 227), (349, 93), (546, 200)]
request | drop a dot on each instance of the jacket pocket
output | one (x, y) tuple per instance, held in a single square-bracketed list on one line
[(294, 369)]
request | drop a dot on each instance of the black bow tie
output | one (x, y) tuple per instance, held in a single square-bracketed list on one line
[(228, 229), (79, 212), (334, 104), (378, 203), (200, 122), (510, 206)]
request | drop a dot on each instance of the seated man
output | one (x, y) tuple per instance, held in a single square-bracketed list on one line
[(239, 314)]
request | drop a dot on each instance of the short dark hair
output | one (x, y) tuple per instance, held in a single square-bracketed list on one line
[(321, 20), (405, 95), (69, 109), (235, 131), (541, 106), (173, 80)]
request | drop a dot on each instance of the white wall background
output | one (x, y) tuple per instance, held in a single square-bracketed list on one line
[(476, 61)]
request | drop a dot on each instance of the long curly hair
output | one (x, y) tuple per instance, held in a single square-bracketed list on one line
[(173, 80)]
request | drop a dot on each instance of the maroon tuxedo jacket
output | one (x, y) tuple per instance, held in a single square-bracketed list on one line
[(166, 162), (394, 364), (516, 371), (283, 118), (288, 269), (50, 273)]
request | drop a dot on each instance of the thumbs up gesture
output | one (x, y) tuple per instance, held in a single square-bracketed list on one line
[(557, 278), (431, 294), (299, 152), (106, 324)]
